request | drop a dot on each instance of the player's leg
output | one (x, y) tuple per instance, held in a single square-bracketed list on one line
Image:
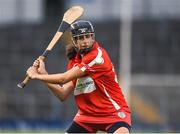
[(119, 127), (76, 128)]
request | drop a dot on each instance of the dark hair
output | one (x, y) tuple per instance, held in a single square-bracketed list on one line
[(70, 52)]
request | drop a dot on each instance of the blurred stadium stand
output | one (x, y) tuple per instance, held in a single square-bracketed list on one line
[(155, 56)]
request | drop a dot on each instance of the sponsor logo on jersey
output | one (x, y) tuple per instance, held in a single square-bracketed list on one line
[(84, 85)]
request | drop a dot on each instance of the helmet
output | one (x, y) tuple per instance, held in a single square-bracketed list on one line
[(81, 27)]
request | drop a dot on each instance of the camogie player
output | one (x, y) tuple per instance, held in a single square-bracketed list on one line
[(91, 76)]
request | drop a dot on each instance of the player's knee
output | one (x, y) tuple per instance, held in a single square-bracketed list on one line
[(121, 130)]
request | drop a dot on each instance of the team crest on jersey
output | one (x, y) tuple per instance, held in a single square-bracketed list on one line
[(84, 85)]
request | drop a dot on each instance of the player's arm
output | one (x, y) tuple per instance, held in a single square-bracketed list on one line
[(61, 92), (60, 78)]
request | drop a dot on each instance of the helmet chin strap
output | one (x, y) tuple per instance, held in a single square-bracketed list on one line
[(84, 50)]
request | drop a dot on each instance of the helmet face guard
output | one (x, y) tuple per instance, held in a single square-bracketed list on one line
[(81, 28)]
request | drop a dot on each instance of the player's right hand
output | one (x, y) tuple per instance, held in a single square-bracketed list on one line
[(32, 72), (36, 63), (41, 67)]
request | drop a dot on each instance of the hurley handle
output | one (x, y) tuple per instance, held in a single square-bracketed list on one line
[(69, 17)]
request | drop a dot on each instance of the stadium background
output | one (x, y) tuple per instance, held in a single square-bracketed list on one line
[(151, 62)]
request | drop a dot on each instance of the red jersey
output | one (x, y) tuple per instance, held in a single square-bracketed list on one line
[(98, 95), (71, 63)]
